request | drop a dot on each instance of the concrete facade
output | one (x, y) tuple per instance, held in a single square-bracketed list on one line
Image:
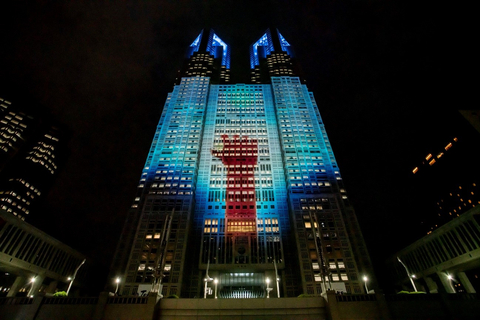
[(31, 261), (439, 261)]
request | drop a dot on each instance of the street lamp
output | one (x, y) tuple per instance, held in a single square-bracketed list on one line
[(410, 276), (216, 282), (451, 284), (117, 281), (207, 290), (365, 279), (32, 280), (74, 275), (278, 287), (268, 287)]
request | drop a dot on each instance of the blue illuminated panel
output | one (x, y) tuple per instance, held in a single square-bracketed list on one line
[(260, 49), (195, 45), (225, 55)]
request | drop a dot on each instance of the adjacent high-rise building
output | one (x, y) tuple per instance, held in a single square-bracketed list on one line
[(241, 195), (31, 149)]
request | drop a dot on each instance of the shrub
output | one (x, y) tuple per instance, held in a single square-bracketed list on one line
[(60, 294)]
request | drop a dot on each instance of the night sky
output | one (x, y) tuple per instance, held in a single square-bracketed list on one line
[(388, 77)]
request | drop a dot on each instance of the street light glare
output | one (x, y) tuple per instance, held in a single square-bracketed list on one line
[(117, 280), (365, 278)]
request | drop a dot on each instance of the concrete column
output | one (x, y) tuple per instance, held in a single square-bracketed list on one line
[(51, 287), (432, 286), (447, 283), (100, 307), (466, 282), (17, 285), (332, 305)]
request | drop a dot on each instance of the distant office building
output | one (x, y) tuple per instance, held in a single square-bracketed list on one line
[(241, 195), (31, 261), (445, 180), (446, 260), (30, 152)]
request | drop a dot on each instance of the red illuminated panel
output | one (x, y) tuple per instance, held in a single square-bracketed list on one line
[(239, 155)]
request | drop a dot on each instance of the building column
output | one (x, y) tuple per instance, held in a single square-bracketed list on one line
[(51, 287), (432, 285), (447, 283), (466, 282), (17, 284)]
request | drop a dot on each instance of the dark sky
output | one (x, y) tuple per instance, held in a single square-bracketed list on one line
[(388, 77)]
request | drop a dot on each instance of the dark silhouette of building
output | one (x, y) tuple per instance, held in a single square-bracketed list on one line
[(32, 148)]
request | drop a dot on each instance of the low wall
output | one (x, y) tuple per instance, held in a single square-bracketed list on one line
[(404, 306), (94, 308), (245, 309), (333, 307)]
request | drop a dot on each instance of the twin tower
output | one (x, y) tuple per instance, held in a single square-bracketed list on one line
[(240, 195), (209, 56)]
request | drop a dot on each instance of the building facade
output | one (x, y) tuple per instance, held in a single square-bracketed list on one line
[(241, 195), (446, 260), (33, 262), (31, 150)]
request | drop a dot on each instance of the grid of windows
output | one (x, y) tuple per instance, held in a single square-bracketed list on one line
[(247, 174)]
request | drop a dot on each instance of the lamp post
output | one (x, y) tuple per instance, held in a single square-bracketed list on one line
[(365, 279), (410, 276), (451, 279), (117, 281), (278, 287), (32, 281), (74, 275), (207, 280), (216, 282), (268, 287)]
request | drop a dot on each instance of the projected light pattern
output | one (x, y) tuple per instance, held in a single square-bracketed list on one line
[(239, 156), (243, 111)]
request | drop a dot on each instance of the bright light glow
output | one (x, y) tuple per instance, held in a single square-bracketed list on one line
[(117, 280), (196, 42), (216, 281), (449, 277), (268, 280), (32, 279), (365, 278)]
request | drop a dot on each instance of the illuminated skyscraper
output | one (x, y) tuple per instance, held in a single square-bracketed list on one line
[(241, 185), (30, 152)]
